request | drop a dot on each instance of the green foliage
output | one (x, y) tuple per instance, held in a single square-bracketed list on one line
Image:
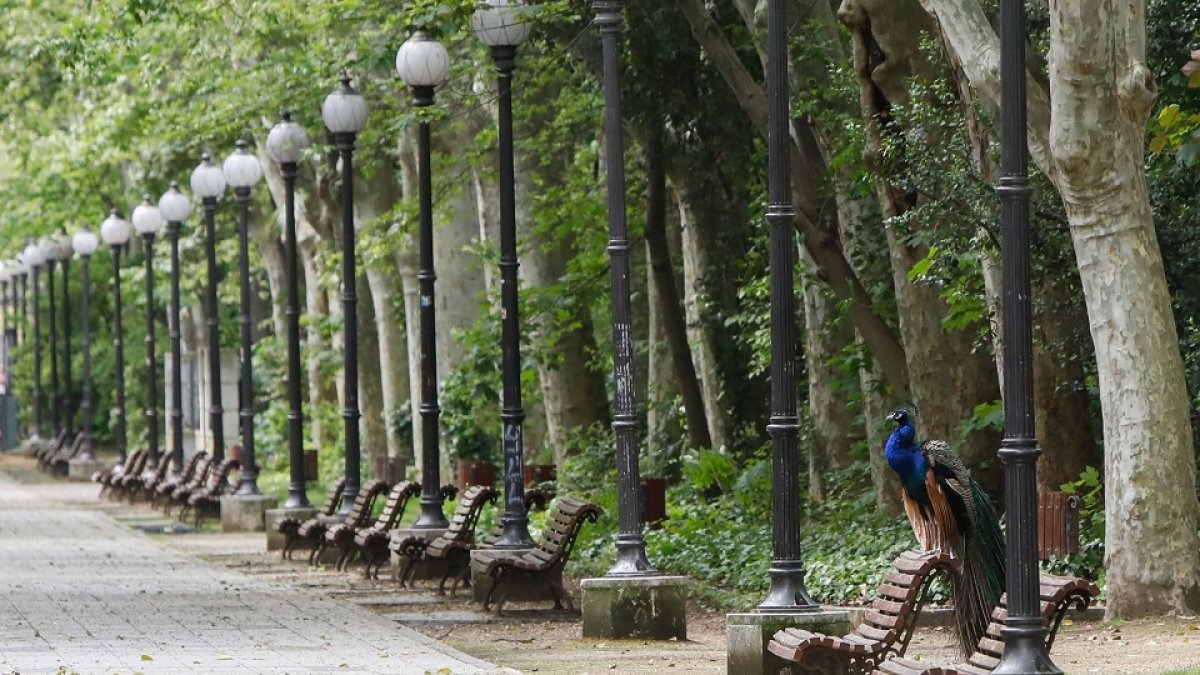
[(710, 471), (1089, 563)]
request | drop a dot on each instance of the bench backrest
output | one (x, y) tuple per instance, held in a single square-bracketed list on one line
[(164, 463), (360, 511), (562, 527), (76, 446), (135, 462), (535, 498), (397, 499), (189, 469), (905, 588), (200, 472), (220, 480), (334, 499), (1057, 595), (466, 514)]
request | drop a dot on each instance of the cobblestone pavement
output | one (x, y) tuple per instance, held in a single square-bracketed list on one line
[(81, 593)]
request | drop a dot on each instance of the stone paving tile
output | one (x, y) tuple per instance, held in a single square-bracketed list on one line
[(82, 593)]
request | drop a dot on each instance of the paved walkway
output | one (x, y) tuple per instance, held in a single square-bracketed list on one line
[(82, 593)]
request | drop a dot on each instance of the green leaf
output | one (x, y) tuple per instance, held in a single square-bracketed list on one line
[(922, 267), (1168, 116)]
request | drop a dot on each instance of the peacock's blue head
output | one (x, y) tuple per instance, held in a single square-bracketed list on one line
[(904, 432)]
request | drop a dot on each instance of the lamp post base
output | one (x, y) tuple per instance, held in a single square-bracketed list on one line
[(245, 513), (638, 608), (747, 635), (83, 469)]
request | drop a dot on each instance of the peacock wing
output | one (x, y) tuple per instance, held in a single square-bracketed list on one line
[(948, 483)]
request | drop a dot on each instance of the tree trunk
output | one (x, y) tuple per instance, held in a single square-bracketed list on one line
[(835, 430), (1091, 144), (1098, 74), (667, 322), (407, 263), (573, 393), (1062, 406), (370, 384), (808, 174), (1062, 409), (381, 192), (663, 430), (697, 262), (316, 307), (948, 377)]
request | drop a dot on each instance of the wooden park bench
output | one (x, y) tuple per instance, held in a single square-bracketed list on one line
[(106, 477), (48, 450), (133, 484), (165, 487), (290, 527), (888, 625), (182, 492), (314, 529), (453, 547), (60, 463), (205, 502), (543, 565), (342, 535), (1057, 594), (371, 543)]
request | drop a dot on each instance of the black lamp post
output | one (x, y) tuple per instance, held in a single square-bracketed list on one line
[(33, 259), (148, 222), (65, 253), (85, 244), (175, 208), (22, 307), (242, 171), (500, 27), (631, 544), (424, 64), (50, 256), (115, 232), (1024, 631), (8, 284), (286, 143), (345, 114), (787, 592), (208, 182)]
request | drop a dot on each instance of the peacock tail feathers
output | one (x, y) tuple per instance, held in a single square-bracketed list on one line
[(978, 585)]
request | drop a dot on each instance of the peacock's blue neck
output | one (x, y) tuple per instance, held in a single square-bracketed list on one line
[(906, 459)]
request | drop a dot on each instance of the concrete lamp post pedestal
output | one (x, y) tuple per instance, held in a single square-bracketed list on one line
[(635, 608), (747, 635), (82, 469), (245, 513)]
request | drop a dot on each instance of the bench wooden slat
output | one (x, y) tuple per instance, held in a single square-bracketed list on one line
[(899, 579), (882, 621), (872, 633), (895, 592), (991, 647)]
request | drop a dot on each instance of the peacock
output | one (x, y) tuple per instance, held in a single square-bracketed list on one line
[(950, 512)]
